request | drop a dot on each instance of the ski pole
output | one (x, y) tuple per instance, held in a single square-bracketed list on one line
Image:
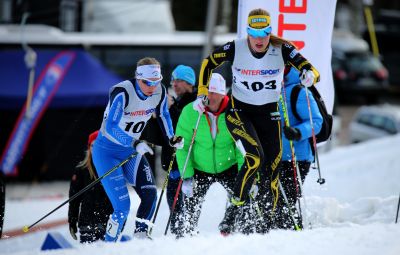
[(296, 172), (287, 123), (398, 206), (303, 216), (254, 203), (320, 179), (162, 190), (183, 174), (294, 160), (25, 229), (296, 226)]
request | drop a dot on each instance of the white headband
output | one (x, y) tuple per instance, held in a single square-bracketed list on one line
[(148, 72)]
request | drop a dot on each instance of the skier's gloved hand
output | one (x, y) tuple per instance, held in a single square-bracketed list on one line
[(198, 104), (292, 133), (307, 78), (187, 187), (142, 147), (73, 228), (177, 142)]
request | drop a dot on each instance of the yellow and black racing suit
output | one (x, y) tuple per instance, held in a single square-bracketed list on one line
[(255, 125)]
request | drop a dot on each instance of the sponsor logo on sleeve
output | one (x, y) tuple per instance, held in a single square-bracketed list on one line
[(275, 116), (293, 53), (219, 55)]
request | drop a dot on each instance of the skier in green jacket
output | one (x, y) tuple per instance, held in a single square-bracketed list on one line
[(214, 156)]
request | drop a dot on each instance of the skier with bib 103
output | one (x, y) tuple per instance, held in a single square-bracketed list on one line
[(252, 116)]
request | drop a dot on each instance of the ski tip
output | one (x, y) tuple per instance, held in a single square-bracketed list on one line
[(25, 229)]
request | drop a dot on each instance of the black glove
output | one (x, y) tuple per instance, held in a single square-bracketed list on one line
[(177, 142), (73, 228), (292, 133)]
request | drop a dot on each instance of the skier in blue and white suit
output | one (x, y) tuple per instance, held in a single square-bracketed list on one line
[(131, 104)]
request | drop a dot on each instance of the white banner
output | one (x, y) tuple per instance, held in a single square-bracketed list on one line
[(308, 24)]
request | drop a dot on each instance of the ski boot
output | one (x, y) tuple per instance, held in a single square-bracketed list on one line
[(227, 225)]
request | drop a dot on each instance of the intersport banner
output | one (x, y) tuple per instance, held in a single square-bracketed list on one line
[(43, 91), (308, 24)]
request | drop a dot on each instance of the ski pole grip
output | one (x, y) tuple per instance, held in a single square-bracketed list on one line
[(205, 101)]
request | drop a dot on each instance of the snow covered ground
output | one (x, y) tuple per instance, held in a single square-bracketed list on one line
[(352, 213)]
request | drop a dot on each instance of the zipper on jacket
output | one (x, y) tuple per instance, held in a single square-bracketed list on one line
[(215, 163), (213, 140)]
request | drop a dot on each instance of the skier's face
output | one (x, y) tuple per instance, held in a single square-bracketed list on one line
[(214, 101), (146, 89), (259, 44)]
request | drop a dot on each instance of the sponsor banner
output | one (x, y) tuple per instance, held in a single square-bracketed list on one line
[(43, 91), (309, 25)]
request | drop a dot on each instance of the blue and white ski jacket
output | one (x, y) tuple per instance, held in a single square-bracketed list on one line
[(128, 111)]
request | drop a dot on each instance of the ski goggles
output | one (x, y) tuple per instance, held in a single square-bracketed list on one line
[(261, 32), (151, 83)]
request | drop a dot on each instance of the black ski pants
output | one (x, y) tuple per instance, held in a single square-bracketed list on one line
[(256, 129)]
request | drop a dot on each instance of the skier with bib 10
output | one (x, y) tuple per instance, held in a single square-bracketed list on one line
[(131, 105)]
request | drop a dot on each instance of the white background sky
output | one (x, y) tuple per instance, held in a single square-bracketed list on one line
[(353, 213)]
